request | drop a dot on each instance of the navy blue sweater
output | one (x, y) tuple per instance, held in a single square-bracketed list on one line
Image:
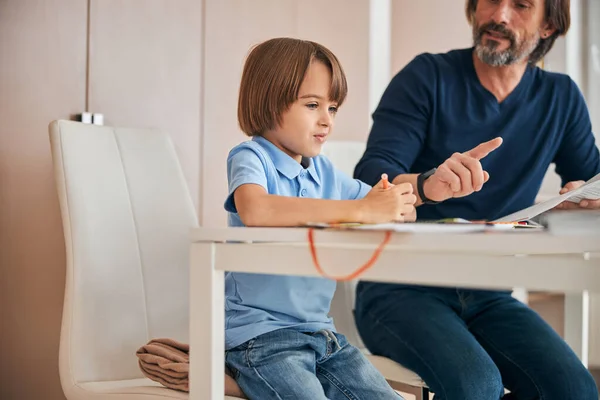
[(436, 106)]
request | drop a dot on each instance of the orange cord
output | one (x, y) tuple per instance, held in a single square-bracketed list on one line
[(359, 271)]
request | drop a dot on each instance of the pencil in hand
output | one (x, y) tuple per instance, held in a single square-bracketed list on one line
[(386, 183)]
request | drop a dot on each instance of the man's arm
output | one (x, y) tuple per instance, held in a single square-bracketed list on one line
[(399, 123), (399, 132), (578, 158)]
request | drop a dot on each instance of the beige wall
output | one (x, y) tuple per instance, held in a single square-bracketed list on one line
[(42, 77), (145, 69), (431, 26)]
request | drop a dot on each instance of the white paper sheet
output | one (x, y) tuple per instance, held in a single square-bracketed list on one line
[(424, 227), (590, 190), (416, 227)]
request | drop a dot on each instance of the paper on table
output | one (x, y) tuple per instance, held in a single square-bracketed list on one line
[(409, 227), (423, 227), (590, 190)]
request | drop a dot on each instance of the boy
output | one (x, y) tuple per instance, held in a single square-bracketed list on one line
[(280, 342)]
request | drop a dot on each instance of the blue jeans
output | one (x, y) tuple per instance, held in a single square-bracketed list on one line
[(470, 344), (287, 364)]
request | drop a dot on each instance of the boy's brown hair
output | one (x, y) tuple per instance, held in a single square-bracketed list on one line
[(273, 73)]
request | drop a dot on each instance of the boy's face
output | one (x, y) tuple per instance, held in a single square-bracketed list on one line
[(306, 125)]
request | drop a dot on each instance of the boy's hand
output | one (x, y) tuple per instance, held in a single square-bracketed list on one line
[(397, 203)]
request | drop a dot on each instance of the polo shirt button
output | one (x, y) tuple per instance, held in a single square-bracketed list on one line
[(302, 173), (303, 192)]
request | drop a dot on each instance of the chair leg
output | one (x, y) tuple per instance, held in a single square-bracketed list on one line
[(424, 393)]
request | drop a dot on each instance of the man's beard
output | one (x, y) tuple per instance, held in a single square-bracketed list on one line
[(515, 53)]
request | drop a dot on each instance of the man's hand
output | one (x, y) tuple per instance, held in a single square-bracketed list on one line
[(411, 217), (583, 204), (461, 174)]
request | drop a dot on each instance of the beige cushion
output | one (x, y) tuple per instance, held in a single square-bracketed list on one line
[(133, 389)]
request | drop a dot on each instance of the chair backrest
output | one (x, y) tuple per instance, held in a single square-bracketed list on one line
[(345, 155), (126, 212)]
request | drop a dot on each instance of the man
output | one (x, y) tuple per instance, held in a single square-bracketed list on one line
[(475, 131)]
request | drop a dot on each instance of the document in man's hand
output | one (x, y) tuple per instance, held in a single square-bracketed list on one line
[(590, 190)]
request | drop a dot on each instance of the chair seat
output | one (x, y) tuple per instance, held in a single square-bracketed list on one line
[(392, 371), (146, 389), (132, 389)]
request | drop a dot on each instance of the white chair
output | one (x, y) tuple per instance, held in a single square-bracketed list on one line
[(345, 155), (126, 213)]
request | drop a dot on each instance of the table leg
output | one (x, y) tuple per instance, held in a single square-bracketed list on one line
[(577, 323), (207, 324)]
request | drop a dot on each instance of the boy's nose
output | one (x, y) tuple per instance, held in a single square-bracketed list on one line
[(326, 119)]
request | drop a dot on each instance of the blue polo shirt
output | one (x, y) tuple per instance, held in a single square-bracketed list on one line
[(257, 304)]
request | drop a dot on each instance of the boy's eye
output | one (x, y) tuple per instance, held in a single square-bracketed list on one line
[(314, 106)]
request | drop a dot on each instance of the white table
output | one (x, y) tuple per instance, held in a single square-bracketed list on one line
[(494, 260)]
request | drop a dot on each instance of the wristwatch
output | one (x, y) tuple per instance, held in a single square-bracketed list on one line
[(420, 181)]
